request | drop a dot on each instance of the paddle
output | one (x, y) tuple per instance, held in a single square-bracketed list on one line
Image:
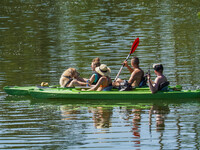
[(133, 48)]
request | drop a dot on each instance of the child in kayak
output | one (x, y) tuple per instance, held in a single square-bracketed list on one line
[(68, 76), (105, 82), (160, 81), (137, 73)]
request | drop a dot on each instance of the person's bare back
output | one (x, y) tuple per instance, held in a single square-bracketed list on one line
[(136, 77)]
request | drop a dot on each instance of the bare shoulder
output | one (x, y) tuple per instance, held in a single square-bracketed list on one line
[(92, 76), (160, 79), (138, 71), (102, 79)]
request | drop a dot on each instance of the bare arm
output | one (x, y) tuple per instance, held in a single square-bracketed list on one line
[(101, 80), (154, 86), (92, 78), (81, 83), (129, 68), (75, 82), (79, 79)]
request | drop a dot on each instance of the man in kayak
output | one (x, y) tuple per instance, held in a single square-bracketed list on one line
[(137, 73), (160, 81)]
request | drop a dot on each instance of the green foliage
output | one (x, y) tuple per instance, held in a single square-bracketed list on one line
[(198, 14)]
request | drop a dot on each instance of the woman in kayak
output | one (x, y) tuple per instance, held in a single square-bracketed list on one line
[(95, 77), (105, 82), (160, 81)]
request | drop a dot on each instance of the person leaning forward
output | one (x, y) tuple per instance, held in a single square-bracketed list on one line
[(137, 73)]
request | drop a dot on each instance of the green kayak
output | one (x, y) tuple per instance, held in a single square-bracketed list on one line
[(143, 93), (76, 93), (16, 90), (22, 91)]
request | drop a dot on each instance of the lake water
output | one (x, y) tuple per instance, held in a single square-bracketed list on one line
[(40, 39)]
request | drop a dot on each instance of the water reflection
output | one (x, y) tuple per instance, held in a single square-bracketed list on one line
[(101, 117), (25, 126), (160, 114), (83, 124), (41, 38), (136, 126), (69, 112)]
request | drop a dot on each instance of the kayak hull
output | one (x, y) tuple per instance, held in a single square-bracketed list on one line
[(20, 91), (112, 95), (76, 93)]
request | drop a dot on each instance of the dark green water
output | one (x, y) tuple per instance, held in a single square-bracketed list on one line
[(40, 39)]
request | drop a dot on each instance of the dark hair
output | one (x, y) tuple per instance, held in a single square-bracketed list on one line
[(96, 61), (158, 67), (136, 60)]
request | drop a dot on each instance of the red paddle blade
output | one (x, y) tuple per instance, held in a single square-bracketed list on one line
[(134, 46)]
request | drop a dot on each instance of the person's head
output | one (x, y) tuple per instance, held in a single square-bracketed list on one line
[(158, 68), (71, 72), (103, 70), (95, 63), (135, 62)]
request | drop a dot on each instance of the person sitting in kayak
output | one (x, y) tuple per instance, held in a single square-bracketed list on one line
[(93, 79), (68, 76), (160, 81), (105, 82), (137, 73)]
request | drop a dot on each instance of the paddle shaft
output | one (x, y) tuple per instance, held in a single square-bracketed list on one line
[(133, 48), (121, 68)]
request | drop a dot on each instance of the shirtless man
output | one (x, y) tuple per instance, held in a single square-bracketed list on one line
[(136, 73), (160, 81)]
